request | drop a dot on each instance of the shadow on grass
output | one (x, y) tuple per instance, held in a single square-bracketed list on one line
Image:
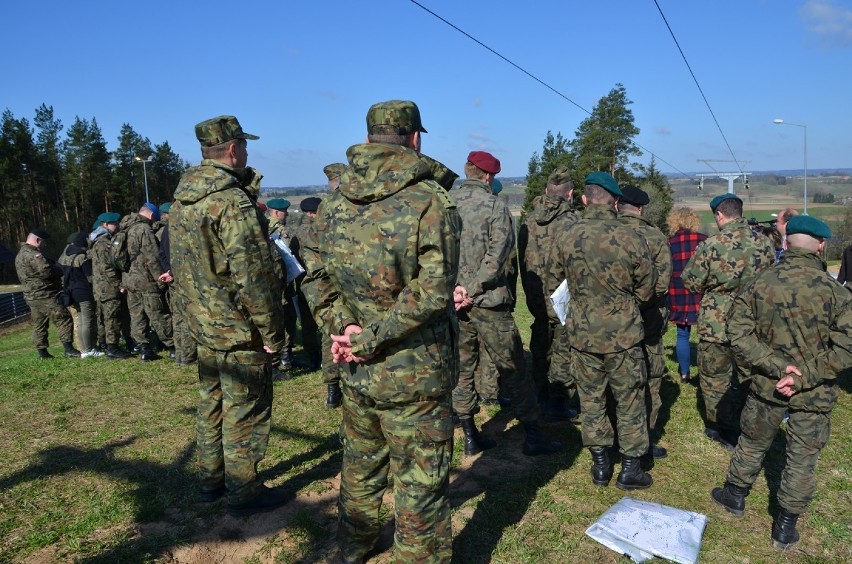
[(669, 392), (167, 491), (509, 481)]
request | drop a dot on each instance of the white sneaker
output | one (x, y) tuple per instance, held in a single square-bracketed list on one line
[(92, 353)]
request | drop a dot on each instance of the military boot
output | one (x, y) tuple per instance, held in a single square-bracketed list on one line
[(474, 443), (285, 360), (601, 466), (784, 533), (558, 410), (70, 351), (115, 353), (146, 353), (632, 477), (732, 498), (335, 396), (535, 444), (44, 354)]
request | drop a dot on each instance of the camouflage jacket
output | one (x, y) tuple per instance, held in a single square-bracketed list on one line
[(610, 275), (221, 263), (720, 265), (655, 315), (540, 275), (386, 259), (144, 250), (487, 241), (106, 278), (40, 276), (795, 313)]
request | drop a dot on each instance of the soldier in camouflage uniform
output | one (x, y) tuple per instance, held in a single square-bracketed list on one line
[(185, 347), (223, 276), (42, 280), (655, 314), (144, 289), (486, 315), (381, 281), (106, 282), (720, 265), (793, 325), (551, 214), (610, 273), (278, 209)]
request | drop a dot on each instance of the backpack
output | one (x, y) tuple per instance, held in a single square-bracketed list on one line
[(118, 251)]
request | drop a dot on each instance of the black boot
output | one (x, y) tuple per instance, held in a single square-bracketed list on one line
[(601, 466), (558, 410), (115, 353), (43, 354), (146, 353), (70, 351), (784, 533), (656, 451), (535, 444), (286, 360), (712, 433), (267, 500), (632, 477), (474, 443), (732, 498), (102, 346), (335, 396)]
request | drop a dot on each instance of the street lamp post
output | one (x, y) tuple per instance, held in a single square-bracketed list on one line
[(805, 129), (144, 172)]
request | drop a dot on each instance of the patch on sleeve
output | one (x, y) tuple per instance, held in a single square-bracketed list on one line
[(246, 204)]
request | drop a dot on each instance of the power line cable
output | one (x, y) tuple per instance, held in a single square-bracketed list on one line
[(532, 76)]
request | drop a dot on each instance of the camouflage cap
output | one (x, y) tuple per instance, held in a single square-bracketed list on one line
[(714, 203), (279, 204), (562, 175), (334, 170), (605, 181), (394, 117), (634, 196), (220, 129), (165, 207), (809, 226)]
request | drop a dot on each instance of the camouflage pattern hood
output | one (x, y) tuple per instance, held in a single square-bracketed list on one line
[(377, 170), (189, 192), (550, 209)]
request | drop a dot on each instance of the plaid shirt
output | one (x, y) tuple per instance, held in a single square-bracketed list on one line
[(683, 305)]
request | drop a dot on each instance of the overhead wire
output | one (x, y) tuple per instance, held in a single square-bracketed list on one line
[(532, 76)]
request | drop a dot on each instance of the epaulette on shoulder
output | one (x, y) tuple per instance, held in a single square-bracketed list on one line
[(442, 195)]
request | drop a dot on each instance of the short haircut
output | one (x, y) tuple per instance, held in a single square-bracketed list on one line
[(389, 138), (598, 195), (217, 152), (786, 214), (683, 218), (473, 171), (560, 190), (731, 207)]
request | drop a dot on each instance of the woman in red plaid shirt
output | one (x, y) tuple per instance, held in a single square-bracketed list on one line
[(683, 305)]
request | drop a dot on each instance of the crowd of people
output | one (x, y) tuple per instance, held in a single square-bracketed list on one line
[(404, 285)]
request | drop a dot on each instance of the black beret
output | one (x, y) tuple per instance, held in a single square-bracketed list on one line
[(310, 204), (40, 233), (634, 196)]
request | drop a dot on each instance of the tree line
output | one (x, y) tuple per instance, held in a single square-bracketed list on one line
[(63, 182)]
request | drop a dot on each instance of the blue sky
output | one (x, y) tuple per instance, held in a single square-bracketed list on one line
[(303, 74)]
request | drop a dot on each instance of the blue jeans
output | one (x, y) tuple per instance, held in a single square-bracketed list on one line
[(682, 351)]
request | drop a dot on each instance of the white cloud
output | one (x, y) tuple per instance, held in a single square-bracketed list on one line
[(831, 23)]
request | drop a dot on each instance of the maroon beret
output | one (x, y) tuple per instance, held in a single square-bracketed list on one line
[(262, 207), (484, 161)]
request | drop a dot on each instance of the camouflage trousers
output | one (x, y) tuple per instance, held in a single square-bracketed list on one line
[(41, 313), (99, 323), (655, 358), (623, 373), (185, 347), (561, 375), (494, 329), (723, 386), (807, 435), (414, 443), (110, 313), (330, 370), (486, 379), (233, 419), (290, 319), (148, 310)]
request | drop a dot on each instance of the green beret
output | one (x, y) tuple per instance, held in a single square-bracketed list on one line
[(220, 129), (562, 175), (165, 207), (714, 203), (605, 181), (634, 196), (809, 226), (109, 217), (279, 204), (496, 186), (394, 117), (96, 224), (334, 170)]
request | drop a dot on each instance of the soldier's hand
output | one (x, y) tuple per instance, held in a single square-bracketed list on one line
[(268, 350), (786, 385)]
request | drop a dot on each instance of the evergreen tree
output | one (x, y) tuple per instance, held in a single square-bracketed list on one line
[(18, 192), (554, 153), (128, 176), (49, 146), (660, 192), (164, 172)]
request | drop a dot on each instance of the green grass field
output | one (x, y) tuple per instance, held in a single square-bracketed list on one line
[(98, 466)]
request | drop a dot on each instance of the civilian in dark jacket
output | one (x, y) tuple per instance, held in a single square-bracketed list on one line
[(845, 275), (683, 305), (77, 280)]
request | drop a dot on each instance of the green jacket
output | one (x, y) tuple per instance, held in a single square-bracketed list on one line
[(144, 250), (610, 275), (720, 265), (221, 262), (40, 276), (797, 314), (106, 278), (386, 259)]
